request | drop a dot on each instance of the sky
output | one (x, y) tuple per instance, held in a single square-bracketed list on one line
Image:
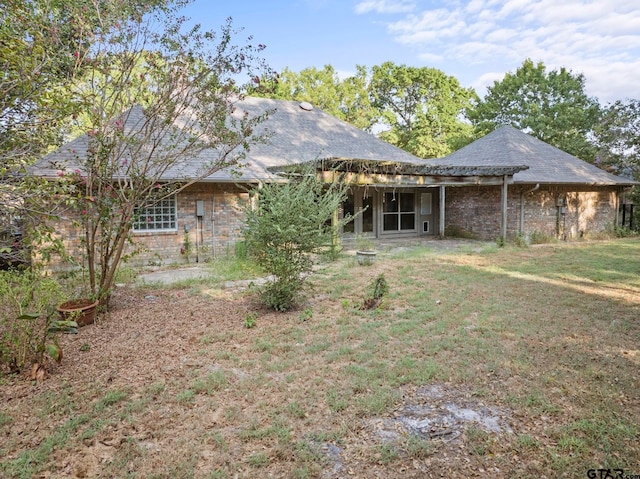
[(476, 41)]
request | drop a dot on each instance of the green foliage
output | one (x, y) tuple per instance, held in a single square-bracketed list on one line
[(306, 315), (346, 99), (376, 291), (27, 324), (44, 47), (520, 241), (618, 142), (131, 151), (618, 139), (364, 243), (539, 237), (552, 106), (421, 107), (287, 227), (250, 320)]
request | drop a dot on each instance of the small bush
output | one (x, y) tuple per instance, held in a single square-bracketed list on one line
[(520, 241), (27, 321), (291, 224), (539, 237), (250, 320), (376, 291)]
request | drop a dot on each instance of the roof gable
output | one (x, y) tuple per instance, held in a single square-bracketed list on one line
[(508, 146)]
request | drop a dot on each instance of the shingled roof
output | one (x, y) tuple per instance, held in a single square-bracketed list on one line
[(296, 133), (547, 164)]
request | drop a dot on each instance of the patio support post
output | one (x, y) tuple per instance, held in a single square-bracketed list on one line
[(442, 202), (503, 223)]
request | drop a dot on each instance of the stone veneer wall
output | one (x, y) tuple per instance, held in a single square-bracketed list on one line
[(477, 210)]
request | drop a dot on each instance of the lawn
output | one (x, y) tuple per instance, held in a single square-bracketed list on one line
[(502, 362)]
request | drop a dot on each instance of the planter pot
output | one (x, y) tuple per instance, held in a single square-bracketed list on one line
[(366, 258), (82, 311)]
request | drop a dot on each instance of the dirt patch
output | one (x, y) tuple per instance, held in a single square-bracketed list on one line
[(440, 412)]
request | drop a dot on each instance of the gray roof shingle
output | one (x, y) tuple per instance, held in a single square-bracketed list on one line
[(295, 135), (508, 146), (299, 135)]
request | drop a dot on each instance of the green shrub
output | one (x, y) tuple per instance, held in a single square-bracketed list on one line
[(520, 241), (27, 324), (376, 291), (539, 237), (290, 223)]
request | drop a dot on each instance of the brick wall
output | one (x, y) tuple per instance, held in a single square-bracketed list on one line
[(216, 233), (477, 210), (474, 210)]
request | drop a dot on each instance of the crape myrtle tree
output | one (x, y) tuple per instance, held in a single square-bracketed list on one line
[(154, 97), (550, 105), (41, 42), (287, 225)]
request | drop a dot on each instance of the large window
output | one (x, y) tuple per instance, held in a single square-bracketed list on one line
[(398, 212), (156, 215)]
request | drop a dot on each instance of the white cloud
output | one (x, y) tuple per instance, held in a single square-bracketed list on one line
[(385, 6), (600, 38)]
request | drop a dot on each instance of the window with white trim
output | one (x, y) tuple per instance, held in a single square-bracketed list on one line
[(157, 215)]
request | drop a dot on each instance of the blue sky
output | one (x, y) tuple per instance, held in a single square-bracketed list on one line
[(476, 41)]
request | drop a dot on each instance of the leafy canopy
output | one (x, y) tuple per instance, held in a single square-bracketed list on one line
[(420, 108), (552, 106), (346, 99)]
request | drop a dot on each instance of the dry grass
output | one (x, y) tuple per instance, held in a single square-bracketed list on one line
[(544, 340)]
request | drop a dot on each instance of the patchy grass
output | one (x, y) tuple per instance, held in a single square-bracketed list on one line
[(177, 386)]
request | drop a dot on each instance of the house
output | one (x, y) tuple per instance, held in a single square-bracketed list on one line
[(505, 183), (557, 196)]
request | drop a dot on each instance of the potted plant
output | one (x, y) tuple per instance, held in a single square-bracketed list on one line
[(365, 250), (82, 310), (81, 306)]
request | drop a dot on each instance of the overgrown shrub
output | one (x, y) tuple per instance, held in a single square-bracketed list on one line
[(27, 319), (290, 223)]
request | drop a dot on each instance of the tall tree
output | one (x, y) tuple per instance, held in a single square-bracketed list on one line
[(43, 44), (617, 137), (551, 105), (347, 99), (420, 108)]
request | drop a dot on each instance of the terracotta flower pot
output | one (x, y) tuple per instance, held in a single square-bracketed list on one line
[(82, 311)]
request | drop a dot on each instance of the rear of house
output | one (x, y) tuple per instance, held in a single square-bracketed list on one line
[(504, 184)]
